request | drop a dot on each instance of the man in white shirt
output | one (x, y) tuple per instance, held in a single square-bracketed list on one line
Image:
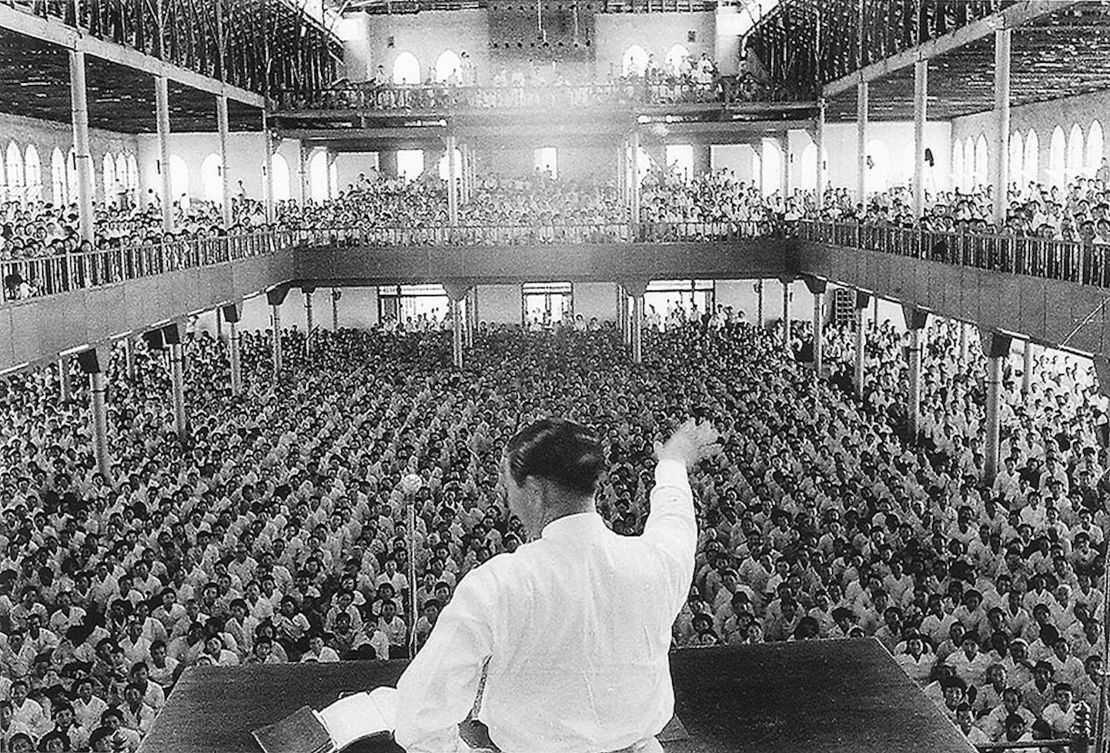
[(562, 645)]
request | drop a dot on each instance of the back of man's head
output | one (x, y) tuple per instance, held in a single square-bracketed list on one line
[(563, 452)]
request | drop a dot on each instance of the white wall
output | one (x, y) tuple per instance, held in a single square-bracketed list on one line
[(596, 300), (499, 304), (897, 137)]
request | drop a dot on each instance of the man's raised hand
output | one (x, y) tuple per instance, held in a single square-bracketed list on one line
[(689, 444)]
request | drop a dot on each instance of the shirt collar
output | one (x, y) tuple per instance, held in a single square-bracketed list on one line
[(570, 526)]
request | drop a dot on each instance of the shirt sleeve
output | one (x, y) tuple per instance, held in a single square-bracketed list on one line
[(439, 687), (671, 528)]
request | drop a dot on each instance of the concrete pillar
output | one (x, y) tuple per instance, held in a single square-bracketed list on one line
[(336, 294), (276, 297), (465, 186), (65, 386), (225, 178), (634, 178), (94, 362), (622, 172), (162, 113), (622, 315), (963, 340), (1001, 123), (456, 292), (471, 316), (820, 144), (996, 347), (452, 183), (267, 173), (759, 303), (862, 299), (80, 103), (817, 289), (308, 321), (636, 289), (786, 295), (1027, 368), (861, 141), (920, 104), (174, 336), (233, 312), (305, 156), (916, 321)]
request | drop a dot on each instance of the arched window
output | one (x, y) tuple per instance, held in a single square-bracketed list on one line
[(133, 175), (318, 176), (1031, 162), (677, 60), (449, 68), (15, 173), (968, 181), (71, 176), (877, 177), (1017, 154), (32, 173), (108, 168), (958, 164), (982, 161), (1094, 149), (211, 180), (634, 61), (279, 170), (179, 179), (444, 167), (772, 168), (1057, 156), (406, 69), (809, 167), (58, 177), (1075, 153)]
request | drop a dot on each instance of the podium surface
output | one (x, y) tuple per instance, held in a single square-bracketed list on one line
[(825, 696)]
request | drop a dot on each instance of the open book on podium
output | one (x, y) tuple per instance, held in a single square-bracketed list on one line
[(351, 718)]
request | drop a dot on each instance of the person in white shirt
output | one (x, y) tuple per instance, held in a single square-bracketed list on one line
[(562, 645)]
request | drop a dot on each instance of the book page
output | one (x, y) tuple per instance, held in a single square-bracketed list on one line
[(360, 715)]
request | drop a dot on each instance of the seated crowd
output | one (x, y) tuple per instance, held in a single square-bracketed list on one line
[(278, 531)]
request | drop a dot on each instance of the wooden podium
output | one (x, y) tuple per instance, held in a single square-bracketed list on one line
[(811, 697)]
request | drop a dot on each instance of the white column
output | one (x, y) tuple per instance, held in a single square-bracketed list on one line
[(916, 322), (177, 373), (786, 285), (233, 353), (920, 104), (1027, 368), (305, 153), (638, 328), (861, 341), (65, 386), (1001, 124), (452, 183), (634, 178), (225, 177), (820, 144), (996, 347), (456, 333), (308, 323), (162, 111), (861, 141), (99, 420), (82, 153), (267, 173), (276, 314), (818, 332)]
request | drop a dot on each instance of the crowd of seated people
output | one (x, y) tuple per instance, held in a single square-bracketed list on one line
[(277, 533)]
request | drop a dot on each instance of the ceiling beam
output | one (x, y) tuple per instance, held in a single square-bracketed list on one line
[(1011, 17), (57, 33)]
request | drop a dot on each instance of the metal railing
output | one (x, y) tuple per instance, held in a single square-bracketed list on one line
[(50, 275), (436, 97), (517, 235), (1068, 261)]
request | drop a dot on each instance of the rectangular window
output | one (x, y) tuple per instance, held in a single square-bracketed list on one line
[(680, 160), (410, 163), (547, 160)]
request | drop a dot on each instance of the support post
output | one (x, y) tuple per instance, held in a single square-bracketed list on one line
[(1027, 368), (452, 183), (233, 312), (267, 173), (817, 288), (786, 295), (225, 178), (456, 292), (920, 113), (636, 288), (65, 386), (336, 294), (996, 347), (309, 328), (861, 141), (1001, 125), (174, 336), (820, 193), (302, 172), (916, 321), (759, 303), (634, 183), (622, 315), (162, 112), (862, 299), (464, 193), (963, 340), (81, 150), (276, 297), (94, 362)]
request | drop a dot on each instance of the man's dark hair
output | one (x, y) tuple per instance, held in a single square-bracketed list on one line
[(564, 452)]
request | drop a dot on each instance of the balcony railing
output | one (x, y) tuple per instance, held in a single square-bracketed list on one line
[(50, 275), (518, 235), (441, 97), (1068, 261)]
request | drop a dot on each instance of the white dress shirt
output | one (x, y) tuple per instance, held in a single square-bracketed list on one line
[(575, 628)]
